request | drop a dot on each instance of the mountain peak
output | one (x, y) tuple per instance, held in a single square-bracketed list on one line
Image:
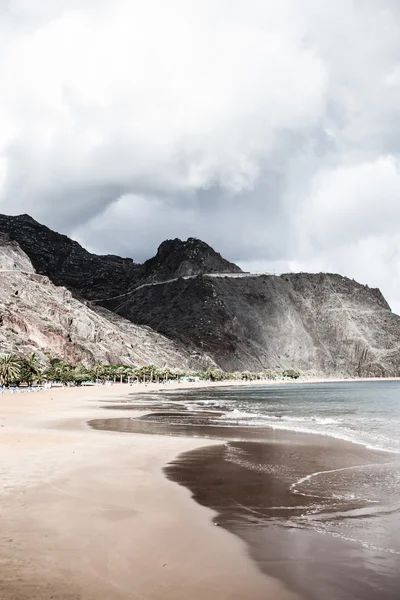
[(192, 246), (25, 217), (178, 258)]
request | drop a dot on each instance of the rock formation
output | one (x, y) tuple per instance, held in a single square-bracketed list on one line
[(206, 310), (175, 258), (66, 263), (318, 323), (97, 277), (38, 316)]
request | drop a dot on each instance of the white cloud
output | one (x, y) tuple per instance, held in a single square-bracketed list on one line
[(151, 102), (271, 130), (353, 202)]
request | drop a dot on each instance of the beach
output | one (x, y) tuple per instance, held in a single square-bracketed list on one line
[(90, 515), (91, 509), (306, 475)]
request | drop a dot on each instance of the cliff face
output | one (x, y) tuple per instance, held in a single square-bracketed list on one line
[(37, 316), (67, 263), (325, 324), (319, 323)]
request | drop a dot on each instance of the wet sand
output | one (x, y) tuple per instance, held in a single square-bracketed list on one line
[(249, 485), (89, 515), (306, 534)]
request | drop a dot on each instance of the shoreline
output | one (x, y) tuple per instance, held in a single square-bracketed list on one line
[(149, 388), (84, 489), (218, 480), (70, 495), (144, 388)]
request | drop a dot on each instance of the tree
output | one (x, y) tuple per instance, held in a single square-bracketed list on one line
[(58, 370), (29, 368), (10, 368), (121, 372), (97, 370), (214, 374), (291, 373), (80, 374)]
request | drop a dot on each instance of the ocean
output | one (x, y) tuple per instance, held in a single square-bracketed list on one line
[(363, 412), (308, 475)]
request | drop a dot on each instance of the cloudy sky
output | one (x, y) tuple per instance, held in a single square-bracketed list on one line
[(271, 130)]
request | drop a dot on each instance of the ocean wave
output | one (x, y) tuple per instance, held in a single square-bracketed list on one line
[(352, 418), (314, 425), (265, 418)]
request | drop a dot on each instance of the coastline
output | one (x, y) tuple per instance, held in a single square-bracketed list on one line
[(145, 388), (91, 515), (342, 525)]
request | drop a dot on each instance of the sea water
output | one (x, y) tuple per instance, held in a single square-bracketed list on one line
[(324, 517), (308, 475), (363, 412)]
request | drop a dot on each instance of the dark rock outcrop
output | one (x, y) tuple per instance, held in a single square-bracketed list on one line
[(176, 258), (66, 263), (101, 277)]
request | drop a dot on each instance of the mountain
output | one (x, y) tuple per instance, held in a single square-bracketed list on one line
[(96, 276), (320, 323), (176, 258), (211, 312), (38, 316), (66, 263)]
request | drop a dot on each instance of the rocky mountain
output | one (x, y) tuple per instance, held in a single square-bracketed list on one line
[(66, 263), (38, 316), (97, 277), (176, 258), (205, 310), (319, 323)]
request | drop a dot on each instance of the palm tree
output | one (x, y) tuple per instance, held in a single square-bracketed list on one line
[(97, 370), (32, 367), (79, 374), (130, 372), (58, 370), (10, 368), (121, 371)]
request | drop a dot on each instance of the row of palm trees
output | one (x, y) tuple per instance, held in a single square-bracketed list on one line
[(19, 369)]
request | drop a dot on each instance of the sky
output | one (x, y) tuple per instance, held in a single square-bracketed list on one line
[(271, 130)]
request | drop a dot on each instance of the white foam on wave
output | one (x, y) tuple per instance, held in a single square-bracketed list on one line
[(296, 484), (314, 425), (239, 414), (309, 424), (266, 418), (354, 540)]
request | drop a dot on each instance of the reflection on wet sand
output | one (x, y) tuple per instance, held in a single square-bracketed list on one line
[(313, 510)]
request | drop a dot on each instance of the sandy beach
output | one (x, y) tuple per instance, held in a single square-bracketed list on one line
[(90, 515), (316, 510)]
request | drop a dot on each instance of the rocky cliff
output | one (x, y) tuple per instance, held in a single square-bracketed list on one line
[(206, 309), (66, 262), (98, 277), (176, 258), (320, 323), (37, 316)]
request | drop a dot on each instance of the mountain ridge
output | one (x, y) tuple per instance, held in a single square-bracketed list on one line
[(324, 324), (94, 276), (38, 316)]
